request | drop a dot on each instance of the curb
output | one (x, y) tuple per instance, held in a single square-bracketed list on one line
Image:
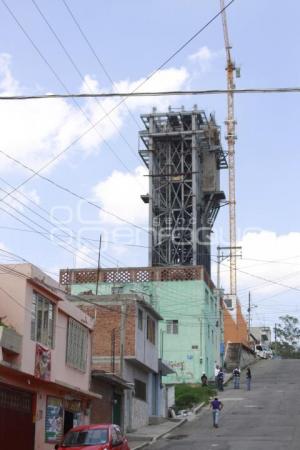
[(177, 425), (159, 436), (198, 408)]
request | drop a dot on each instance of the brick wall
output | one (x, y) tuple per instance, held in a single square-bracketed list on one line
[(235, 330), (108, 319), (101, 410)]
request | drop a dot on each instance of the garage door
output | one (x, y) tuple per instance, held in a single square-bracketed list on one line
[(16, 424)]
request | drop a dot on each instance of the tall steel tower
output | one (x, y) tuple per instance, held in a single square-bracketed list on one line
[(183, 152)]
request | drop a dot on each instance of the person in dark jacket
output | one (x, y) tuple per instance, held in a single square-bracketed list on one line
[(204, 380), (221, 380), (248, 378)]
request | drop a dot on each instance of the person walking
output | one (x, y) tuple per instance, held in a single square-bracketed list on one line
[(248, 378), (221, 380), (216, 407), (236, 378), (216, 375), (204, 380)]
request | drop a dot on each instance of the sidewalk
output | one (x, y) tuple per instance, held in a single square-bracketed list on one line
[(149, 434)]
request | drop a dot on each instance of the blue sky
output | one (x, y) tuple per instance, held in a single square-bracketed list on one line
[(132, 38)]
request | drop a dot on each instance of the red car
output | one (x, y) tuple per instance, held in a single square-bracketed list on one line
[(94, 437)]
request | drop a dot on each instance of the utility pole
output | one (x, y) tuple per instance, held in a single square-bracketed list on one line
[(98, 267), (249, 315), (122, 337)]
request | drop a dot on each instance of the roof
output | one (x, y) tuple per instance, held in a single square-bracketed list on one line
[(115, 299), (110, 378)]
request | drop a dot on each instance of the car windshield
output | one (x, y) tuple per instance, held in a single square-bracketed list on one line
[(86, 437)]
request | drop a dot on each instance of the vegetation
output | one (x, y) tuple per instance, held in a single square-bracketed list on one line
[(287, 334), (187, 395)]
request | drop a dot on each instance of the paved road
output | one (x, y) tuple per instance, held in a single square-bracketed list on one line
[(267, 418)]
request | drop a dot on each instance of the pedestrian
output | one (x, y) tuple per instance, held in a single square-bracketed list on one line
[(236, 378), (221, 380), (216, 375), (248, 378), (216, 407), (204, 380)]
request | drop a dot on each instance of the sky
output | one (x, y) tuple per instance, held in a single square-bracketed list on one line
[(43, 51)]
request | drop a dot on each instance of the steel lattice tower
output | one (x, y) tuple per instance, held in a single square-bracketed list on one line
[(183, 152)]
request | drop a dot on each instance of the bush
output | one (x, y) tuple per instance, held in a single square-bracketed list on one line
[(187, 395)]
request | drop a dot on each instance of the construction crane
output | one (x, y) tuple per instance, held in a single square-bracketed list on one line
[(231, 137)]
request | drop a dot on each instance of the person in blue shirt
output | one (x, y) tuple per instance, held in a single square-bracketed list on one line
[(216, 407)]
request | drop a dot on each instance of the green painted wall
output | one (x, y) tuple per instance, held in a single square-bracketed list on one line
[(196, 347)]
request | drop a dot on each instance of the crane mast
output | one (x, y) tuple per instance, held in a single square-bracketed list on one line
[(230, 123)]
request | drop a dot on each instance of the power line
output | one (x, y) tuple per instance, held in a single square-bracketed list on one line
[(279, 90), (79, 73), (161, 66), (65, 189), (101, 64), (69, 234), (68, 92)]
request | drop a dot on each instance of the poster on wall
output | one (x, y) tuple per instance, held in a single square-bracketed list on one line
[(54, 426), (42, 363)]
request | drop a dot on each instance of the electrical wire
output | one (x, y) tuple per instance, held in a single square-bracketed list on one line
[(81, 76), (93, 125), (100, 62), (279, 90), (161, 66), (65, 189)]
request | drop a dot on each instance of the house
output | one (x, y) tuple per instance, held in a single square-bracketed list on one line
[(191, 332), (45, 358), (125, 346), (262, 335)]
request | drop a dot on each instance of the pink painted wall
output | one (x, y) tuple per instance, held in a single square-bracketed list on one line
[(15, 303)]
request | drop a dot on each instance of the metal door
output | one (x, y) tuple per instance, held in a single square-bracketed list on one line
[(117, 409), (16, 419)]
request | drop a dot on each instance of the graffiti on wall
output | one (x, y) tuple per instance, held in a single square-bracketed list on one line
[(182, 369)]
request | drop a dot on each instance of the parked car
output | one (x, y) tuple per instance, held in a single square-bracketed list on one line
[(94, 437)]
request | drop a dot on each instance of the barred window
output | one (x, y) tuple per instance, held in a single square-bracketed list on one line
[(42, 320), (150, 330), (172, 326), (77, 345)]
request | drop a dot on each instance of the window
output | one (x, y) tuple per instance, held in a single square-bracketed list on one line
[(42, 320), (151, 330), (172, 326), (140, 389), (77, 344), (140, 319), (97, 436)]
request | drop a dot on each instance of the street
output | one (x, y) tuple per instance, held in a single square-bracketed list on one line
[(263, 419)]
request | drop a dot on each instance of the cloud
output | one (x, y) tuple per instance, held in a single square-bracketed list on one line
[(120, 194), (204, 57), (270, 262), (35, 131)]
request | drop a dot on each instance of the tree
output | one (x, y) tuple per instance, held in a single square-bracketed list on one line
[(287, 332)]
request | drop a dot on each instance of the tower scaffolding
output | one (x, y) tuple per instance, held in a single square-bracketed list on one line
[(183, 152)]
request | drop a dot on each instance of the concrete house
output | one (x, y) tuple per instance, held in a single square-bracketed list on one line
[(45, 352), (125, 344), (191, 334)]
